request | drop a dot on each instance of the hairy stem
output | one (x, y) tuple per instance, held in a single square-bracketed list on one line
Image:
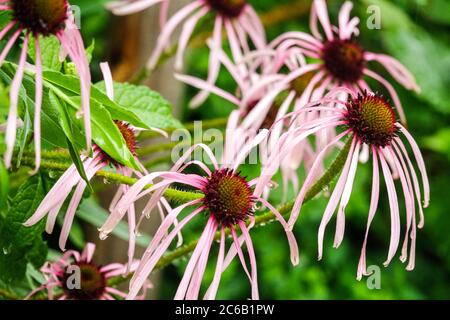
[(177, 196)]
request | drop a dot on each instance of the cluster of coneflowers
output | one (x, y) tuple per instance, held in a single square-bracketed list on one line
[(299, 98)]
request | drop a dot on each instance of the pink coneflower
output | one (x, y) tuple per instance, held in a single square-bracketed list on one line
[(42, 18), (368, 120), (341, 60), (239, 19), (61, 278), (229, 200)]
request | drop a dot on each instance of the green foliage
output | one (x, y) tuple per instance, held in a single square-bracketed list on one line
[(425, 55), (152, 109), (439, 142), (21, 245), (4, 185), (66, 124), (50, 52)]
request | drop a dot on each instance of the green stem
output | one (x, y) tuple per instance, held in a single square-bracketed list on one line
[(8, 295), (177, 196), (63, 154)]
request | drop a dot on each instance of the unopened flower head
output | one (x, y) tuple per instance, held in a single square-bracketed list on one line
[(42, 18)]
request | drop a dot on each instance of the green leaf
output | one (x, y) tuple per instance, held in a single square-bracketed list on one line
[(105, 132), (107, 135), (52, 135), (24, 132), (71, 85), (439, 142), (66, 124), (148, 105), (89, 50), (424, 55), (4, 106), (50, 52), (4, 102), (5, 18), (22, 245), (435, 10)]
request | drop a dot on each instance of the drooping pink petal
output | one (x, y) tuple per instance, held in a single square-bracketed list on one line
[(73, 205), (107, 76), (251, 253), (164, 38), (309, 180), (186, 34), (213, 64), (120, 8), (212, 290), (148, 263), (72, 42), (38, 105), (340, 221), (334, 200), (395, 216), (196, 281), (11, 128), (320, 7), (420, 163), (362, 270), (291, 238), (403, 153)]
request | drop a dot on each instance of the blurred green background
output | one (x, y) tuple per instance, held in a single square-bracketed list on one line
[(417, 33)]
